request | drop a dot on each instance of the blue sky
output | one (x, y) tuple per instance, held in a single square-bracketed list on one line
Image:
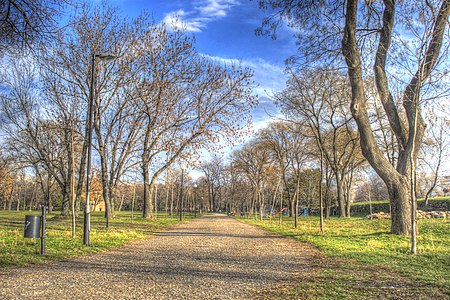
[(225, 30)]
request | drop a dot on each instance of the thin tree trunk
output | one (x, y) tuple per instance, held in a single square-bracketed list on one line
[(134, 197), (82, 170), (413, 187), (281, 204), (166, 205), (297, 196), (171, 198), (341, 204), (19, 192), (321, 193), (121, 202), (156, 200), (33, 196), (148, 211)]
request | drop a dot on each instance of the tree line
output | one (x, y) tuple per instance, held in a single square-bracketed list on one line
[(368, 78), (156, 104)]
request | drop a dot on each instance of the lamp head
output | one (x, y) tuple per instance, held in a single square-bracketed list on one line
[(105, 56)]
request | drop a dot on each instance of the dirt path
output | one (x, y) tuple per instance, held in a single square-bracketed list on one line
[(213, 257)]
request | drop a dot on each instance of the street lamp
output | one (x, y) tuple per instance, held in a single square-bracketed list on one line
[(87, 211), (181, 193), (195, 200)]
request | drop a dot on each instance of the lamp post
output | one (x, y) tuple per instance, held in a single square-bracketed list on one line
[(201, 204), (195, 200), (87, 211), (181, 193)]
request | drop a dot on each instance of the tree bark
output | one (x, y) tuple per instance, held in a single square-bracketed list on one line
[(148, 210), (397, 179), (340, 196)]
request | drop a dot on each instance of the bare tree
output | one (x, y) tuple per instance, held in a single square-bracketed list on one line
[(33, 136), (253, 160), (213, 171), (281, 138), (318, 98), (186, 101), (436, 142), (363, 34), (25, 22)]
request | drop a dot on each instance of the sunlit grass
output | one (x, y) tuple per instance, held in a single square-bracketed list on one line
[(16, 250), (369, 243)]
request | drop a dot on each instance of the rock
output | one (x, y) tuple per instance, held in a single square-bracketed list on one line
[(378, 216), (420, 214)]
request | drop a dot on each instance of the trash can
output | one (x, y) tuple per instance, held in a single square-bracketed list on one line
[(32, 227)]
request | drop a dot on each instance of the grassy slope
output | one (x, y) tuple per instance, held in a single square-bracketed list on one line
[(368, 244), (16, 250)]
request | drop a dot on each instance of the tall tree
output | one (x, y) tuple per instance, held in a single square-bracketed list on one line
[(213, 171), (253, 160), (363, 33), (280, 139), (318, 98), (34, 136), (187, 101)]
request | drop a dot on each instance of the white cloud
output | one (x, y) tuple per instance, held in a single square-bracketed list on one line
[(203, 13), (180, 19), (269, 78), (215, 8)]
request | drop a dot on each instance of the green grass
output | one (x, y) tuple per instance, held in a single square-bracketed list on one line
[(367, 244), (15, 250)]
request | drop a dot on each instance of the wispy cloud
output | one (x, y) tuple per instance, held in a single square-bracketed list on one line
[(269, 78), (202, 13)]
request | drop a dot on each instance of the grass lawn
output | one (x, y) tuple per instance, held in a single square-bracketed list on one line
[(15, 250), (360, 244)]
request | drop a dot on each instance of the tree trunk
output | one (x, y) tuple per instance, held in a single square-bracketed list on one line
[(49, 195), (340, 196), (348, 206), (148, 210), (210, 197), (397, 180), (19, 192), (398, 189), (171, 198), (122, 199), (156, 200), (281, 203), (297, 198), (321, 193), (105, 190), (213, 198), (65, 200), (82, 170)]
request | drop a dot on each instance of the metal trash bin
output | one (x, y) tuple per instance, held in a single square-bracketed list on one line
[(32, 227)]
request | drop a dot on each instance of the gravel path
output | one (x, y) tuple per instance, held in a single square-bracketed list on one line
[(213, 257)]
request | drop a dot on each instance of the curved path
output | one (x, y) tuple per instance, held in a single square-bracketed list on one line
[(213, 257)]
